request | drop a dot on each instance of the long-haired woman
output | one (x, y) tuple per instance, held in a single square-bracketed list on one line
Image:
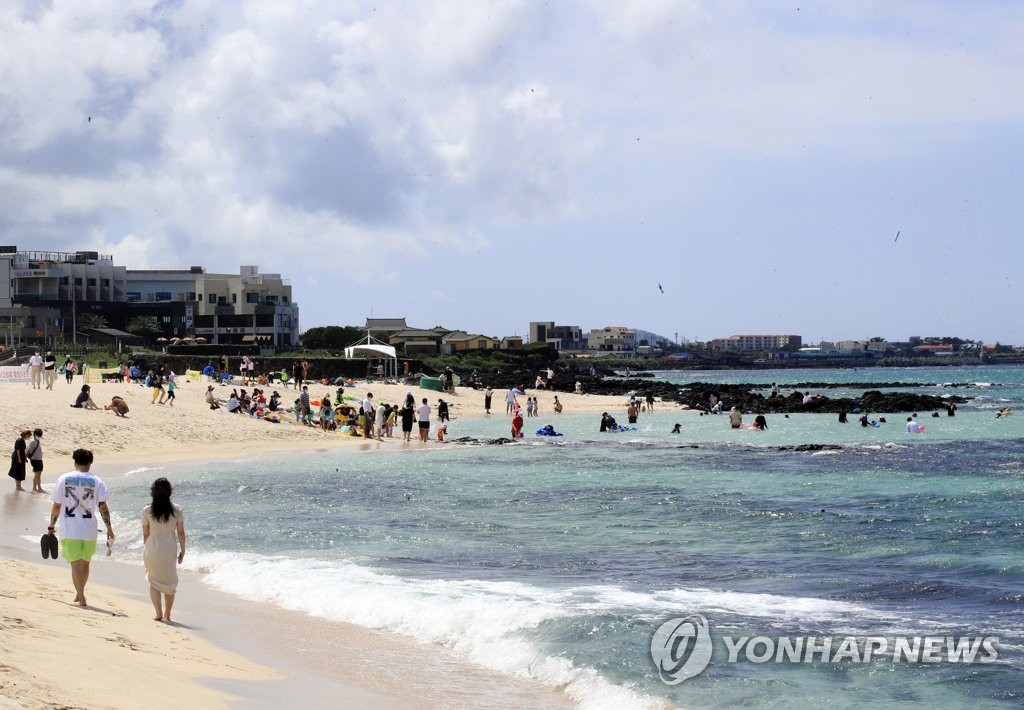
[(163, 532)]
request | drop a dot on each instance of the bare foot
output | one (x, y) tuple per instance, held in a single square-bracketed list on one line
[(157, 618)]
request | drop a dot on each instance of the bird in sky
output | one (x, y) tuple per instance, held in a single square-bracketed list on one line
[(660, 288), (897, 237)]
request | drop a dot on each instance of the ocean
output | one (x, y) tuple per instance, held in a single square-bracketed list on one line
[(558, 558)]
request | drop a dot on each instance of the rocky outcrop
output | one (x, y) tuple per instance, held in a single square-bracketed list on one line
[(699, 395)]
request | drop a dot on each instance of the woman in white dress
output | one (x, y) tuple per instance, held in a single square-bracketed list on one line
[(163, 532)]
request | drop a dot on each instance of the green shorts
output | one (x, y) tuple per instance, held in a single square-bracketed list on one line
[(75, 550)]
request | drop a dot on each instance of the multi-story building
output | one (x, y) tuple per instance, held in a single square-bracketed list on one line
[(55, 289), (756, 343), (563, 337), (614, 338), (248, 307), (53, 292)]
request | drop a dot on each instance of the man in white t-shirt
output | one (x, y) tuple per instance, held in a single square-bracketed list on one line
[(423, 416), (76, 497), (368, 415), (35, 366), (912, 426)]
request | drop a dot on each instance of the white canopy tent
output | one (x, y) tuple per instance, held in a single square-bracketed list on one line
[(374, 349)]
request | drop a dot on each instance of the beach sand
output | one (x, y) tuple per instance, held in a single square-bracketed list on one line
[(220, 651), (191, 430)]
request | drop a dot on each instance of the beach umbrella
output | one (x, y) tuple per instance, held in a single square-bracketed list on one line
[(200, 339), (161, 340), (175, 340)]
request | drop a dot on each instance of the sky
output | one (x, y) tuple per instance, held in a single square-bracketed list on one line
[(835, 170)]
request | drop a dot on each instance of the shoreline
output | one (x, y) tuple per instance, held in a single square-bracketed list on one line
[(221, 650), (189, 430), (285, 654)]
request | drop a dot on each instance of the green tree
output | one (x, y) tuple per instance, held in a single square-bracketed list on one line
[(91, 320), (332, 337), (143, 325)]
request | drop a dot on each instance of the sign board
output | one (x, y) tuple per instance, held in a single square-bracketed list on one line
[(14, 375)]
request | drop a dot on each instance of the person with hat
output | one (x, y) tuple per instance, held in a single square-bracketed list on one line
[(211, 398)]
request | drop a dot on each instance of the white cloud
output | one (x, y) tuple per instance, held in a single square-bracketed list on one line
[(395, 132)]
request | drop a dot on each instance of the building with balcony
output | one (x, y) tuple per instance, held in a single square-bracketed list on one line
[(757, 343), (226, 309), (613, 338), (563, 337), (51, 294)]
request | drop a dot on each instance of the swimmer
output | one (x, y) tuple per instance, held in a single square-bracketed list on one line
[(1004, 412), (675, 429)]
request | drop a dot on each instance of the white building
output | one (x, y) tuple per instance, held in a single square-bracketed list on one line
[(614, 338), (246, 307)]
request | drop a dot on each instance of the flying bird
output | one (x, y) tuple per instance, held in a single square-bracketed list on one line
[(660, 288), (897, 237)]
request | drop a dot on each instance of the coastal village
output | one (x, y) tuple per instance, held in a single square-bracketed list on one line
[(51, 299)]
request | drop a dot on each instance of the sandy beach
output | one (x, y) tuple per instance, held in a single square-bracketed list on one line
[(220, 651), (191, 430)]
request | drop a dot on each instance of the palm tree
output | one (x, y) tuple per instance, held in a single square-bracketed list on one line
[(92, 320), (143, 325)]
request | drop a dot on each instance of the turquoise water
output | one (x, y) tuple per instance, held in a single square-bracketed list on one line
[(557, 558)]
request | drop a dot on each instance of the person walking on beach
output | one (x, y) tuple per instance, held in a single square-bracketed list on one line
[(19, 457), (156, 382), (77, 495), (35, 366), (34, 451), (488, 394), (423, 416), (69, 369), (163, 533), (50, 369)]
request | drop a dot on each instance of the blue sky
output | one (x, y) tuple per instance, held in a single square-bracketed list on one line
[(481, 165)]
